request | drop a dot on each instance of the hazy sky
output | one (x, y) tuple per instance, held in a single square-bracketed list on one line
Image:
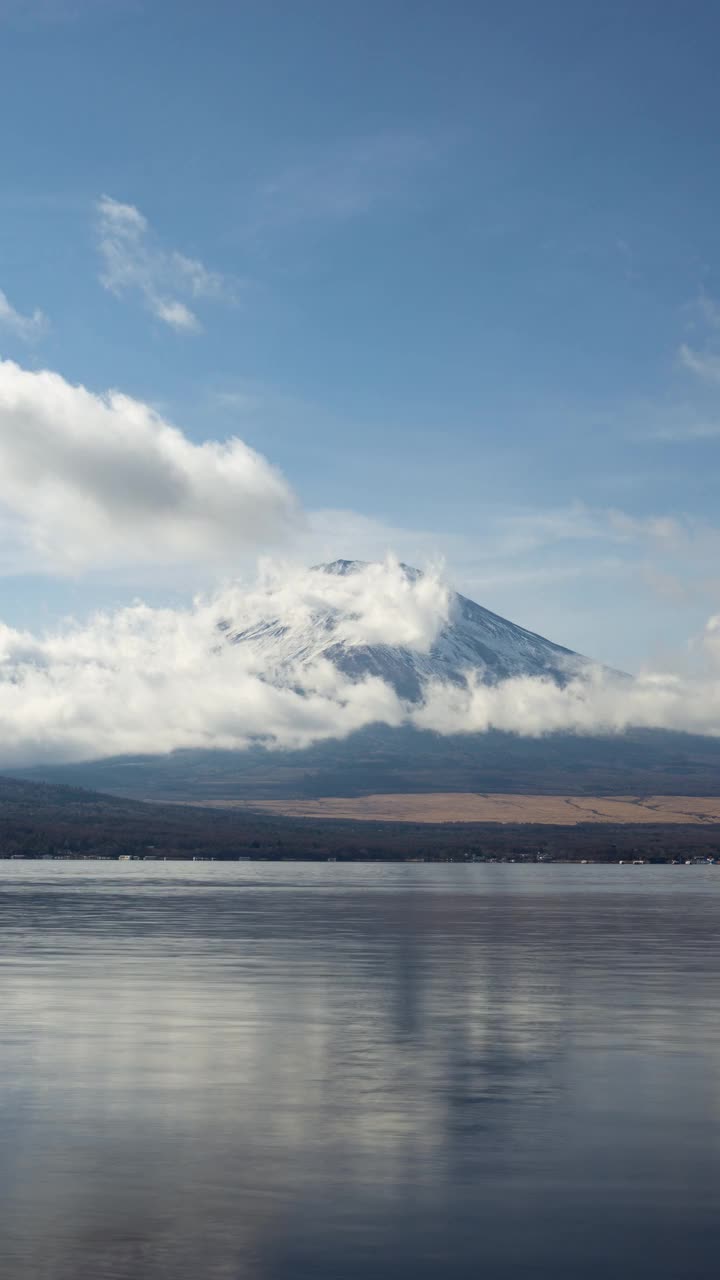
[(452, 270)]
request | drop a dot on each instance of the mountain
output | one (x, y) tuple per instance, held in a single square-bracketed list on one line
[(472, 639), (380, 758)]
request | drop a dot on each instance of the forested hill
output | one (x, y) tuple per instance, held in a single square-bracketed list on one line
[(38, 820)]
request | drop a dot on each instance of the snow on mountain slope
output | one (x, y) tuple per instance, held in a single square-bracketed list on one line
[(407, 630)]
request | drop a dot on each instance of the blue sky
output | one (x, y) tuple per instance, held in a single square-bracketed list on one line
[(453, 269)]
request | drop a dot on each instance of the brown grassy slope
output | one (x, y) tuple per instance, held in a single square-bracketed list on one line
[(467, 807)]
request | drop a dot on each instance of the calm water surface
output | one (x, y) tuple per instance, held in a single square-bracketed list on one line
[(280, 1072)]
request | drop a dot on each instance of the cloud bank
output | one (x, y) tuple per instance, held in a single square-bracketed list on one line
[(90, 479), (596, 702), (144, 680), (152, 680)]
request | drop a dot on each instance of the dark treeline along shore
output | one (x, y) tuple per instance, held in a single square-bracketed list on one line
[(38, 820)]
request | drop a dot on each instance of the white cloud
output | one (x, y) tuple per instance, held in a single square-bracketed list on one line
[(201, 282), (177, 316), (379, 604), (662, 529), (27, 327), (595, 703), (134, 263), (153, 680), (702, 313), (702, 356), (706, 364), (104, 480), (343, 182)]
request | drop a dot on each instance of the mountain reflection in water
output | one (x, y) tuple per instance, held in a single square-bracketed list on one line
[(281, 1072)]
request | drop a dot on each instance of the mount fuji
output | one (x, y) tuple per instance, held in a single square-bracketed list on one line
[(444, 638), (470, 639)]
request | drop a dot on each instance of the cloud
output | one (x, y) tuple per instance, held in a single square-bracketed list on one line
[(703, 318), (702, 312), (662, 529), (26, 327), (706, 364), (594, 703), (104, 480), (176, 315), (134, 263), (381, 603), (343, 182), (154, 680)]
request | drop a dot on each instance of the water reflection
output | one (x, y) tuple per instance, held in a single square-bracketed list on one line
[(341, 1072)]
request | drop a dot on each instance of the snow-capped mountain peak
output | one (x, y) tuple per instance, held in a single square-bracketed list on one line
[(395, 622)]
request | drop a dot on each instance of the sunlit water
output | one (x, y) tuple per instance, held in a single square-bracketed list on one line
[(291, 1071)]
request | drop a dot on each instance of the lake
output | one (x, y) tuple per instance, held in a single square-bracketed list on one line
[(279, 1072)]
